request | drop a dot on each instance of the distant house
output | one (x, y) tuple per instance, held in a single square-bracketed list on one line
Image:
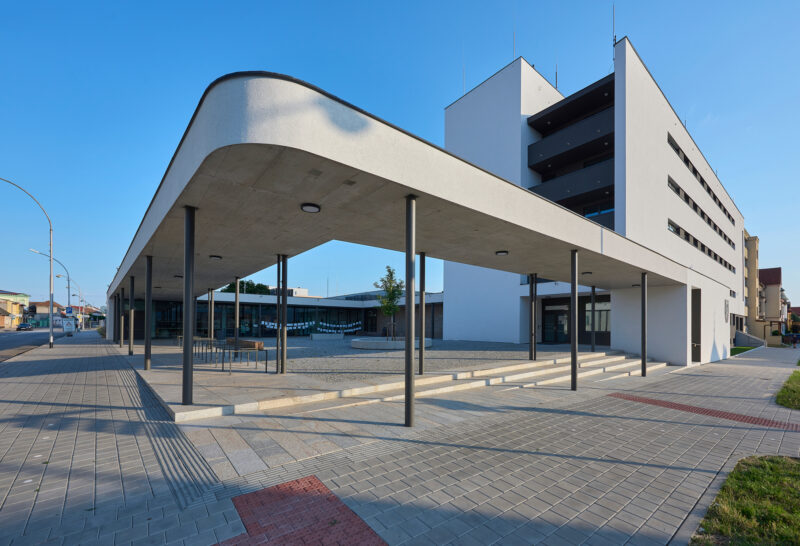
[(40, 311), (13, 306)]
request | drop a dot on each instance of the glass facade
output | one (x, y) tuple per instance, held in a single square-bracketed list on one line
[(255, 320)]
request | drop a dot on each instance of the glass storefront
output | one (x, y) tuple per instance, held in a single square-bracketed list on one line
[(255, 320)]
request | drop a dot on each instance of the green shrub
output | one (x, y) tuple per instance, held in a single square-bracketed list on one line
[(102, 331)]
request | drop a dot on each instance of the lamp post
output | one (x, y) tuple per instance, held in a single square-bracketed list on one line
[(69, 287), (69, 279), (82, 303), (50, 319)]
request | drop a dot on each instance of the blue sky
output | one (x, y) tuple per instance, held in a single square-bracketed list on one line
[(94, 98)]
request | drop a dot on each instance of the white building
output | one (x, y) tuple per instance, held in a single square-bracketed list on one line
[(617, 153)]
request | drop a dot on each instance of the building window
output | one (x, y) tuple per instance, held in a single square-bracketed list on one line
[(692, 203), (692, 240), (673, 143), (602, 316)]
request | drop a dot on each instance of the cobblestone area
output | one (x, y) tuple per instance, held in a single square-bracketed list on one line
[(541, 465), (87, 455)]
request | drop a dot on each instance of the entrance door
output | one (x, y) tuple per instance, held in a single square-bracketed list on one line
[(696, 325), (555, 324)]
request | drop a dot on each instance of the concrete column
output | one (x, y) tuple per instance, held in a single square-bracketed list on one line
[(593, 320), (278, 318), (188, 304), (236, 317), (644, 324), (148, 313), (131, 311), (121, 317), (284, 310), (411, 235), (421, 313), (573, 320)]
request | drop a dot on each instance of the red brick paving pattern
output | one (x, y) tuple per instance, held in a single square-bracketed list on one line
[(794, 427), (299, 512)]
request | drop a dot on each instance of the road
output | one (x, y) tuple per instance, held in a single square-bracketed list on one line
[(13, 343)]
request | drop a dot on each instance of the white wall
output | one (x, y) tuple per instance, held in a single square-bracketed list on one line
[(488, 127), (667, 323), (644, 160), (111, 318), (478, 305)]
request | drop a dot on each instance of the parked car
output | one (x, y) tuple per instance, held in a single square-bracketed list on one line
[(24, 326)]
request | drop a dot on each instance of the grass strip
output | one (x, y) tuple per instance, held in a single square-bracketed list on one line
[(789, 395), (758, 504)]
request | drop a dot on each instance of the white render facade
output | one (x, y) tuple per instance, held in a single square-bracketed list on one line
[(619, 155)]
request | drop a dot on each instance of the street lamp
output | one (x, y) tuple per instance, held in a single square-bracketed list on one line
[(50, 320), (82, 301), (60, 276), (65, 269)]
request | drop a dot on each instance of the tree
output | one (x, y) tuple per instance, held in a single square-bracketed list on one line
[(248, 287), (392, 291)]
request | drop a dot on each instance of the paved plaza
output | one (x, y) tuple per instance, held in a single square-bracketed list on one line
[(332, 369), (89, 455)]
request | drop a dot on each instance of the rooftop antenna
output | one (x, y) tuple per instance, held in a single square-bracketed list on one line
[(556, 71), (613, 30)]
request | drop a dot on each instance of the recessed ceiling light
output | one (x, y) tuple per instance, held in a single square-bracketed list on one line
[(215, 256), (501, 252), (586, 273), (310, 207), (635, 285), (178, 276)]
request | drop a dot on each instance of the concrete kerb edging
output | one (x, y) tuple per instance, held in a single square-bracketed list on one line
[(233, 409), (692, 522), (748, 351)]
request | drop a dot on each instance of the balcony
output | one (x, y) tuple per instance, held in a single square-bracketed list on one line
[(589, 137), (589, 179)]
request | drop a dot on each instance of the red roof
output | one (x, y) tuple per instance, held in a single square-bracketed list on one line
[(771, 275), (46, 305), (795, 310)]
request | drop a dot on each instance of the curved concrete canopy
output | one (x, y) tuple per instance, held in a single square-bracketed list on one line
[(260, 144)]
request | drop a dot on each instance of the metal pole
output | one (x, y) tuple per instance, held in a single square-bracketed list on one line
[(211, 314), (644, 324), (573, 320), (114, 316), (278, 319), (593, 320), (121, 317), (421, 313), (50, 223), (188, 303), (410, 293), (531, 316), (51, 281), (284, 310), (130, 318), (148, 313), (236, 318)]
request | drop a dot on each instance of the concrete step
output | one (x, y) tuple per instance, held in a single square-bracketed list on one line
[(631, 367), (494, 370), (603, 360), (550, 374)]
